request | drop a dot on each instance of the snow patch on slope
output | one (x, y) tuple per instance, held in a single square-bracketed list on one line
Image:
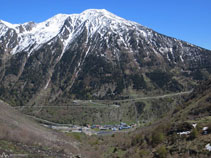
[(208, 147), (40, 34), (96, 21), (9, 25)]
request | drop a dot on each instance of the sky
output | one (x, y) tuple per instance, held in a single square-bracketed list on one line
[(188, 20)]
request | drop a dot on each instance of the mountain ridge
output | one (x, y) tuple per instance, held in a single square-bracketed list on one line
[(19, 28), (94, 55), (52, 26)]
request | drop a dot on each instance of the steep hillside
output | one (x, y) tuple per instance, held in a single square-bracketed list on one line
[(21, 135), (93, 55), (184, 133)]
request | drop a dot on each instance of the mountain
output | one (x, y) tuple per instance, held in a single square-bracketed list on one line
[(93, 55)]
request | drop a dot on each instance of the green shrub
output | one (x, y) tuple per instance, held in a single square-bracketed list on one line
[(157, 137), (161, 152), (143, 153), (138, 139), (194, 133), (77, 136)]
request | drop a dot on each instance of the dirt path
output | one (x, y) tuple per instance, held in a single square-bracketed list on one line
[(161, 96)]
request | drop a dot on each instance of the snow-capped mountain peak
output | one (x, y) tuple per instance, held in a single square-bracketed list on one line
[(97, 13), (31, 36), (9, 25), (35, 34)]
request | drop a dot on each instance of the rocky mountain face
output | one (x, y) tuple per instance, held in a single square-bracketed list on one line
[(93, 55)]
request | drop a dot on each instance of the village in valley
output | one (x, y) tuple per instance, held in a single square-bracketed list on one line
[(93, 129)]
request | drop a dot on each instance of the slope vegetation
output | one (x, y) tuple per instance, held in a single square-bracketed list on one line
[(20, 135), (184, 133), (93, 55)]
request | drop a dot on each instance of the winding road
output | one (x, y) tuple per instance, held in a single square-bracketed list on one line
[(97, 104)]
